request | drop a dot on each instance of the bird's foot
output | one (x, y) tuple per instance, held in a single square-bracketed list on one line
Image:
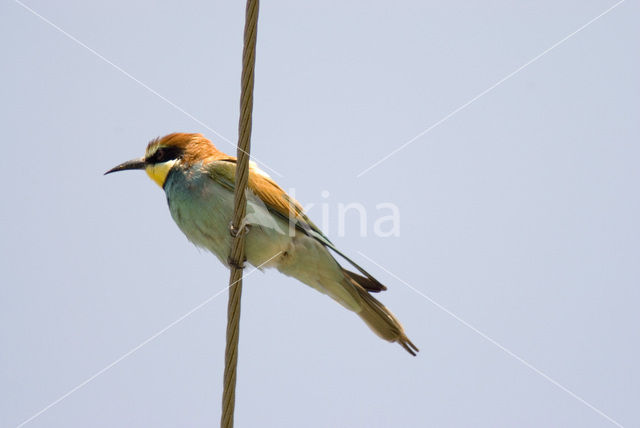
[(244, 227), (233, 263)]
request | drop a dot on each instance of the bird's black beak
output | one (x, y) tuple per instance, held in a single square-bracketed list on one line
[(132, 164)]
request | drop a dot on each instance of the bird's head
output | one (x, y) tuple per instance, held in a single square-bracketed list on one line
[(165, 153)]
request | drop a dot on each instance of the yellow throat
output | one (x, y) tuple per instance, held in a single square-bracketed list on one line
[(159, 171)]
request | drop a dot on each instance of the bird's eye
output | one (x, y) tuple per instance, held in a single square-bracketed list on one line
[(164, 154), (159, 155)]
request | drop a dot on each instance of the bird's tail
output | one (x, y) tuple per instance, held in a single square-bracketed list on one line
[(380, 319)]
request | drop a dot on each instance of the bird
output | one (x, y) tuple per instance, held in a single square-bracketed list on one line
[(198, 181)]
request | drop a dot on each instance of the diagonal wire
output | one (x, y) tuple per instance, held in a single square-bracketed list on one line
[(138, 347), (486, 91), (497, 344), (144, 85)]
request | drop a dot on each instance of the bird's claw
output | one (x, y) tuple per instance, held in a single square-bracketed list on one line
[(233, 231), (232, 263)]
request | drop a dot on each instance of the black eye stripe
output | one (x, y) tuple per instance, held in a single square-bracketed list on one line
[(164, 154)]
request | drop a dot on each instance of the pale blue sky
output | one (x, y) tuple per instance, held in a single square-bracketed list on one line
[(518, 213)]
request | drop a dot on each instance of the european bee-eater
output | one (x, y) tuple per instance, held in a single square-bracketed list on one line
[(198, 181)]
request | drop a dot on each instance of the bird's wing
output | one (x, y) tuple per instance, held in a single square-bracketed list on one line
[(279, 203), (275, 199)]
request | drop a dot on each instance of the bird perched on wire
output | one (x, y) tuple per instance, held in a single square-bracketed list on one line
[(198, 180)]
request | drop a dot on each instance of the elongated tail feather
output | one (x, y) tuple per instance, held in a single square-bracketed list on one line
[(381, 320), (370, 284)]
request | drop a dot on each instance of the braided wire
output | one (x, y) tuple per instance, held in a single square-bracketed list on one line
[(236, 257)]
